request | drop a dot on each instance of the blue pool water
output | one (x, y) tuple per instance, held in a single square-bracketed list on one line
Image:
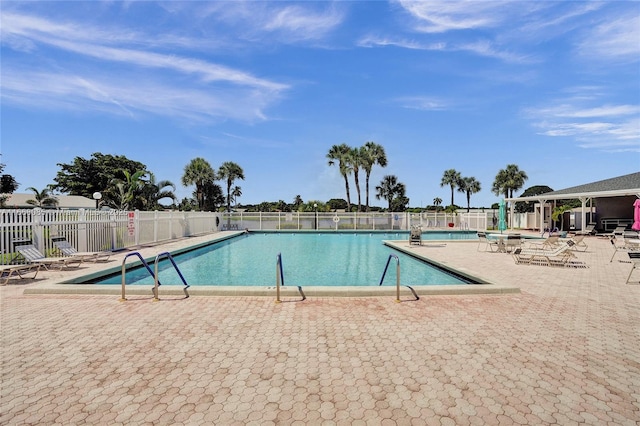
[(323, 259)]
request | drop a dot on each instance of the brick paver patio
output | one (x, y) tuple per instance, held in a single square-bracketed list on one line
[(565, 350)]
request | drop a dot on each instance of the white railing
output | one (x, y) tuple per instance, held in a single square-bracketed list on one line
[(91, 230), (354, 220)]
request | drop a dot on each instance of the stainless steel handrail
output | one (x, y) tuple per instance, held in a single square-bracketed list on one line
[(279, 276), (397, 274), (175, 266), (124, 270)]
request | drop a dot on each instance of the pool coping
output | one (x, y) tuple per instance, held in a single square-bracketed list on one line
[(485, 286)]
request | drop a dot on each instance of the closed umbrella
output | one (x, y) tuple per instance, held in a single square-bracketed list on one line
[(502, 222), (636, 215)]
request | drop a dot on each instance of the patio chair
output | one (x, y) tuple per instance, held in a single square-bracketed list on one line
[(579, 243), (66, 249), (415, 237), (590, 229), (16, 271), (561, 256), (635, 259), (488, 245), (32, 255), (549, 243)]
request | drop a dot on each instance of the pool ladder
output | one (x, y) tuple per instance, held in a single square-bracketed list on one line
[(393, 256), (280, 279), (152, 273)]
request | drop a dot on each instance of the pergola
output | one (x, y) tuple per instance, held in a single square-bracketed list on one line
[(621, 186)]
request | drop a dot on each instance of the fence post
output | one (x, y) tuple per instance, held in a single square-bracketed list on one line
[(82, 230), (37, 236)]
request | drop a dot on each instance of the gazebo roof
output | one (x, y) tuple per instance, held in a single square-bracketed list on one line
[(615, 187)]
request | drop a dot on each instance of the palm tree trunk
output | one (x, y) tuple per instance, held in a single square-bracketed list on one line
[(346, 185), (357, 181), (367, 191)]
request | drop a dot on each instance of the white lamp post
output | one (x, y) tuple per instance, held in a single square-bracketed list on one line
[(97, 196)]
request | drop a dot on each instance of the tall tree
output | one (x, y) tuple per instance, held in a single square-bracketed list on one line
[(509, 180), (42, 198), (436, 202), (229, 172), (389, 189), (129, 190), (355, 161), (297, 202), (371, 154), (340, 154), (96, 174), (469, 185), (8, 184), (452, 178), (154, 191), (236, 193), (198, 172)]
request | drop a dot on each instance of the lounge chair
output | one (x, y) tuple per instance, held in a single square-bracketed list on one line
[(588, 230), (579, 243), (415, 237), (16, 271), (560, 256), (33, 256), (488, 245), (635, 259), (549, 243), (66, 249), (627, 245)]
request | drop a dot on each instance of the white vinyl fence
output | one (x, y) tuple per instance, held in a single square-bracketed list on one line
[(96, 230)]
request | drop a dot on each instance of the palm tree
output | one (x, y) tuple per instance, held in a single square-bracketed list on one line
[(371, 154), (297, 202), (436, 202), (129, 189), (198, 172), (43, 198), (229, 172), (154, 191), (451, 178), (340, 154), (236, 193), (389, 188), (469, 185), (355, 161), (509, 180)]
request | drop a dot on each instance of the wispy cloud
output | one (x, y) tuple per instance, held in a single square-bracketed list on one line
[(616, 39), (423, 103), (141, 79), (607, 127), (438, 16)]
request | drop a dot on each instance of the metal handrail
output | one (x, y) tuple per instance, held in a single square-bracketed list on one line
[(124, 270), (175, 266), (279, 276), (397, 274), (280, 280)]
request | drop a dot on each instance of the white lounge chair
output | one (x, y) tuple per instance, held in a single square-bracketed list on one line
[(17, 271), (560, 256), (32, 255), (66, 249)]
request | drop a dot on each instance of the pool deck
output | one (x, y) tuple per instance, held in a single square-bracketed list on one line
[(553, 346)]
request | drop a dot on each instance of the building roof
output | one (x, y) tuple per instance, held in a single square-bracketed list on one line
[(19, 201), (614, 187)]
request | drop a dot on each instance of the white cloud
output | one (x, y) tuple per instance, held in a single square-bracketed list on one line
[(125, 80), (603, 127), (423, 103), (617, 39)]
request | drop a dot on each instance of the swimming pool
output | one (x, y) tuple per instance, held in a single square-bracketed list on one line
[(314, 259)]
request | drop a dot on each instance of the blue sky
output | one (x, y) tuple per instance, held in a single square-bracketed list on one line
[(551, 86)]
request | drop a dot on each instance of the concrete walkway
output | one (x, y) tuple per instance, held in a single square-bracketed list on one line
[(564, 350)]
